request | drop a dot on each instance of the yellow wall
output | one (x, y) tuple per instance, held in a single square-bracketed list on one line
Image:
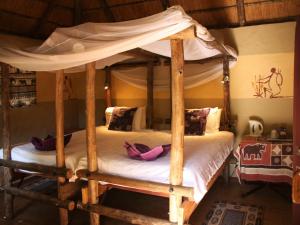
[(249, 66)]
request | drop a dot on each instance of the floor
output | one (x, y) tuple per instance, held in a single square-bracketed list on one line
[(277, 209)]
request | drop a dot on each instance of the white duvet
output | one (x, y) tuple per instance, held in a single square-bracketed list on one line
[(203, 156)]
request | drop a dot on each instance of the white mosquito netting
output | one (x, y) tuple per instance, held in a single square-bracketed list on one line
[(71, 48)]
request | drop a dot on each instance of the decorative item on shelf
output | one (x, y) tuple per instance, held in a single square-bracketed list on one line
[(282, 131), (256, 128), (22, 87), (274, 134)]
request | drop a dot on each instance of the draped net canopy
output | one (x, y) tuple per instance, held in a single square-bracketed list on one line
[(71, 48)]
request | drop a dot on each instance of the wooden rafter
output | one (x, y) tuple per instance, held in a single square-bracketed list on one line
[(44, 18), (165, 4), (77, 12), (241, 12), (108, 13)]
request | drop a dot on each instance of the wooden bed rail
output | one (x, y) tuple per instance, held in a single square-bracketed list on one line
[(138, 184), (66, 204), (34, 167), (123, 215)]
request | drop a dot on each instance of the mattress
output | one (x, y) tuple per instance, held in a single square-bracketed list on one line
[(73, 152), (203, 156)]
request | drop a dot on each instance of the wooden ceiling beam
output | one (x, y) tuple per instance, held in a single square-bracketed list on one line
[(108, 13), (77, 12), (44, 18), (165, 4), (241, 12)]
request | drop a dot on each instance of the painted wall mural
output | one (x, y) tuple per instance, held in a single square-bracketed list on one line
[(22, 87), (268, 86)]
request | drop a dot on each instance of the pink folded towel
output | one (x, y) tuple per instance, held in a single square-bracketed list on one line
[(143, 152)]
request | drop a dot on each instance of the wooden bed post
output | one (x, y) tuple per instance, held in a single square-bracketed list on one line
[(91, 138), (150, 95), (107, 87), (226, 80), (7, 172), (60, 154), (176, 164)]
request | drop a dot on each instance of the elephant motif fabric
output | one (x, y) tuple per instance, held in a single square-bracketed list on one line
[(263, 160)]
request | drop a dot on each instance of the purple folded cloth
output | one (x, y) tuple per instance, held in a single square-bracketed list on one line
[(49, 143), (143, 152)]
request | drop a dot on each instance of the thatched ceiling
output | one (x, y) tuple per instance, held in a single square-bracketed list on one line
[(38, 18)]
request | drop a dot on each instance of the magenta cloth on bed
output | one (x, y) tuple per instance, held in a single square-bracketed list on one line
[(143, 152)]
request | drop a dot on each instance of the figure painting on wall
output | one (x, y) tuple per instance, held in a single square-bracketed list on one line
[(269, 86)]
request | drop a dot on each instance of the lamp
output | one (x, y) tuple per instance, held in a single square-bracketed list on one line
[(225, 79)]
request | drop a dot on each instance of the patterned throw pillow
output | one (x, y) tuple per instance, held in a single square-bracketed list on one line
[(122, 118), (195, 121)]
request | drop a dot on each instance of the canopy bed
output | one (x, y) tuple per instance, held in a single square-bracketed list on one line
[(97, 45)]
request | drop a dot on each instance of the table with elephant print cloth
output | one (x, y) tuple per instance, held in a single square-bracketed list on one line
[(262, 159)]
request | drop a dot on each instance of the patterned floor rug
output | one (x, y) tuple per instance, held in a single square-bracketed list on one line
[(224, 213)]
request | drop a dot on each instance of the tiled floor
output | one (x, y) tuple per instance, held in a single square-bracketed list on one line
[(277, 210)]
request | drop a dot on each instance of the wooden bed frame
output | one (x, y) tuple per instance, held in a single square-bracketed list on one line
[(181, 203)]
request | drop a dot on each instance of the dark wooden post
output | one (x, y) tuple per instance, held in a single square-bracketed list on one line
[(296, 124), (7, 172), (107, 87), (91, 138), (176, 164), (60, 154), (150, 95), (226, 88)]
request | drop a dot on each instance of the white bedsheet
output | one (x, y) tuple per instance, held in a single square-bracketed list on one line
[(203, 156), (73, 152)]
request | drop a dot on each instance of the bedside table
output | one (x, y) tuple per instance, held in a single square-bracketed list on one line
[(262, 159)]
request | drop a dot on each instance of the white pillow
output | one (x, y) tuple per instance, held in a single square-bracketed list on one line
[(139, 119), (213, 120), (108, 115)]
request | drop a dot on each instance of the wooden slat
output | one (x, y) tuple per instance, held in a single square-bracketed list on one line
[(108, 13), (7, 173), (241, 12), (77, 13), (123, 215), (66, 204), (150, 77), (91, 137), (176, 163), (188, 33), (165, 4), (50, 171), (138, 184)]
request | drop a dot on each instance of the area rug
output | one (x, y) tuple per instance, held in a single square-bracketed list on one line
[(224, 213)]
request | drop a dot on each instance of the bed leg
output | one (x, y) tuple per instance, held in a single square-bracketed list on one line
[(7, 172), (63, 216), (174, 206)]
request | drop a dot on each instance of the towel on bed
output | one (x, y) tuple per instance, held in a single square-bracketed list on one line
[(144, 152), (49, 143)]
